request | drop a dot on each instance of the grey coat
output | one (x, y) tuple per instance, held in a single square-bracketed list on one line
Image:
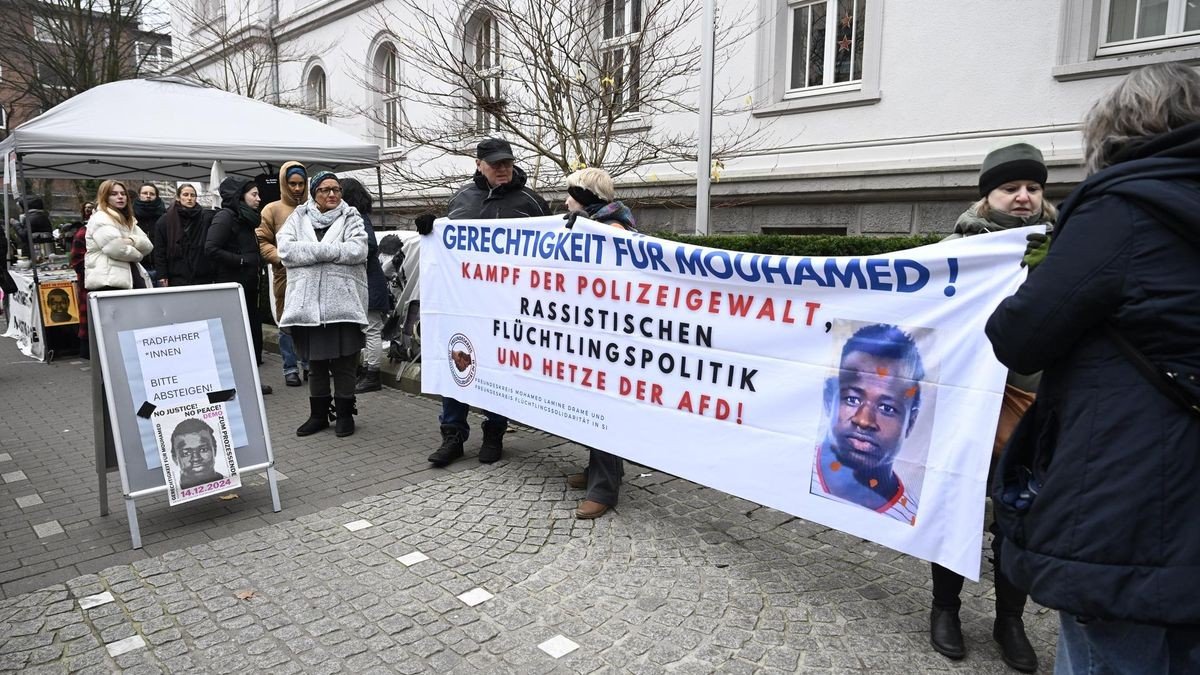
[(327, 278)]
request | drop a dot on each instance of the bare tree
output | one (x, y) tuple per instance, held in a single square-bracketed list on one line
[(571, 83), (51, 50), (241, 55)]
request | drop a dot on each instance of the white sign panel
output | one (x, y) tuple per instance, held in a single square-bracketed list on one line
[(173, 364), (24, 323), (860, 393)]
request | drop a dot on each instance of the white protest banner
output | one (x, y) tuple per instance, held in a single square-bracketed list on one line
[(175, 363), (195, 450), (860, 393), (23, 321)]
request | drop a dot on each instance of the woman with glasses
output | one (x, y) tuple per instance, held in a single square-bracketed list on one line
[(323, 246)]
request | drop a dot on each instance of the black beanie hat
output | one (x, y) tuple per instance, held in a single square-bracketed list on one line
[(1014, 162)]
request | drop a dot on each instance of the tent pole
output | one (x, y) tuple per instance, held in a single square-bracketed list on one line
[(4, 191), (379, 186), (25, 210)]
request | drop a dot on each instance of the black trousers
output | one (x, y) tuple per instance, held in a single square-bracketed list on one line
[(342, 372), (250, 291), (1010, 600), (604, 473)]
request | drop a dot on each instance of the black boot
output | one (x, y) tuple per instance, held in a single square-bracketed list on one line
[(345, 416), (368, 382), (318, 416), (945, 633), (1015, 649), (451, 448), (493, 443)]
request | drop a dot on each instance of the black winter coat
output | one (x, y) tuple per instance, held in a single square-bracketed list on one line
[(147, 215), (378, 298), (185, 264), (1114, 531), (232, 245), (478, 201)]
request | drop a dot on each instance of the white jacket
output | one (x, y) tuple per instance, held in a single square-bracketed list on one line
[(109, 260), (326, 279)]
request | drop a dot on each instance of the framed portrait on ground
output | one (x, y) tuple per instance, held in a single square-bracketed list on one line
[(58, 303)]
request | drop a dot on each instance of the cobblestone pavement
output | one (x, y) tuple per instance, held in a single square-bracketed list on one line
[(470, 570)]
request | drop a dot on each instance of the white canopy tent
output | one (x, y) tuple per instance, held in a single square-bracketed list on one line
[(173, 129)]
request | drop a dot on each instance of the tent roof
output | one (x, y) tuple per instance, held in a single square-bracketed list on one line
[(172, 128)]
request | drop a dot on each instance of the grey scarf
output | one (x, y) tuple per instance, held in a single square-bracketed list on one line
[(321, 220), (970, 222)]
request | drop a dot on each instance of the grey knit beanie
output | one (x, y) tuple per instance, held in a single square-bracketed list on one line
[(1014, 162)]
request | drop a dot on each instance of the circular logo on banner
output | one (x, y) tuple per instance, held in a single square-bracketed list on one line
[(462, 359)]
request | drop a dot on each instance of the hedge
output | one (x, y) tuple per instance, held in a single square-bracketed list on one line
[(805, 245)]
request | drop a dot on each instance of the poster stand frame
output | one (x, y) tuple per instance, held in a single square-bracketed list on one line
[(109, 444)]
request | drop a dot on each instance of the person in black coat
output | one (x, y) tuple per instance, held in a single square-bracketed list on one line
[(1096, 492), (232, 248), (179, 239), (497, 190), (148, 208), (379, 301)]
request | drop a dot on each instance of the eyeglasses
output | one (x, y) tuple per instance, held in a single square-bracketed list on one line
[(329, 191)]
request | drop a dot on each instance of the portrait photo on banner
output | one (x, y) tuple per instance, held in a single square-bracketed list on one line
[(877, 418), (59, 306)]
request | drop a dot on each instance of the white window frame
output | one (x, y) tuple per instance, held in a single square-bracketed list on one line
[(385, 64), (830, 55), (3, 118), (627, 79), (1083, 52), (150, 57), (44, 28), (487, 75), (316, 93), (774, 95), (1173, 36)]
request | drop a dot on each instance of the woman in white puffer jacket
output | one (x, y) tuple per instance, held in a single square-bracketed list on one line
[(115, 244)]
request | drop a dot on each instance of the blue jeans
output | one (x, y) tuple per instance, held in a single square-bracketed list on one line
[(1120, 647), (454, 412), (287, 349)]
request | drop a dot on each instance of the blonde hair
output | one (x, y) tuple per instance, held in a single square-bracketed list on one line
[(1148, 102), (596, 180), (125, 216)]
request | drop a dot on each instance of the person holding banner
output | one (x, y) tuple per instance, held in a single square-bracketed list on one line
[(497, 190), (115, 245), (1011, 184), (1096, 491), (590, 192), (323, 245)]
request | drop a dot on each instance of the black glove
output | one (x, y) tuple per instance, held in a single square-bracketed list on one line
[(425, 223), (1036, 249)]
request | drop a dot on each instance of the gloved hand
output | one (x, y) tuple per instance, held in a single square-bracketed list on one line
[(425, 223), (1036, 249)]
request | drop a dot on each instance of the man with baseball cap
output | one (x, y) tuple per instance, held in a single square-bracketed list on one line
[(497, 190)]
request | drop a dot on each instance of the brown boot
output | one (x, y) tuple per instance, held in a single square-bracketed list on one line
[(589, 510), (577, 481)]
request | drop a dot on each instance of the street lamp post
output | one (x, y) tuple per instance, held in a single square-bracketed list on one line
[(704, 151)]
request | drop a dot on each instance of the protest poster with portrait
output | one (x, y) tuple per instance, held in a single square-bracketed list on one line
[(195, 449), (860, 393), (59, 304)]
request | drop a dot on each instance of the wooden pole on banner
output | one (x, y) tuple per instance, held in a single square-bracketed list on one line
[(704, 152)]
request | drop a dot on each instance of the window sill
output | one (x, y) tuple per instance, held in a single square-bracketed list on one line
[(392, 154), (634, 123), (830, 101), (1108, 66)]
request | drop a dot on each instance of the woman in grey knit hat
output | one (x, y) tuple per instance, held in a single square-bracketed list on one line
[(1011, 184)]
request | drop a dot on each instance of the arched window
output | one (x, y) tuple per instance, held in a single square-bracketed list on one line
[(386, 67), (314, 94), (483, 52)]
